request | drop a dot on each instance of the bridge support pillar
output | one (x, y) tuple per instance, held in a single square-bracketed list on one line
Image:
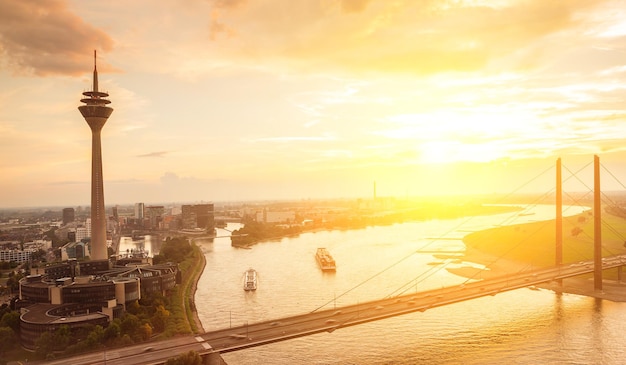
[(559, 218), (213, 359), (597, 226)]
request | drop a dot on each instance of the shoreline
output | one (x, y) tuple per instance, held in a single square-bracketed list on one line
[(194, 288)]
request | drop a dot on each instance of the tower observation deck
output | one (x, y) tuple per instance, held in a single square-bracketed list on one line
[(96, 112)]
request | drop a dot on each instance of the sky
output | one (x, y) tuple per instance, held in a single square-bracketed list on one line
[(224, 100)]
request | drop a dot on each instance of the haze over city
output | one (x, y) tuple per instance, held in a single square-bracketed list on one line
[(232, 100)]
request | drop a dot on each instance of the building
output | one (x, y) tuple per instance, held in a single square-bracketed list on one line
[(81, 233), (155, 216), (198, 216), (75, 250), (68, 215), (82, 294), (96, 113), (19, 256), (139, 210)]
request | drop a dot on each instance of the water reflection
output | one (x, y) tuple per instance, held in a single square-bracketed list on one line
[(140, 246)]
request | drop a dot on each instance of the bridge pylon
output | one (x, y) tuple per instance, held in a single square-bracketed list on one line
[(597, 226), (559, 217)]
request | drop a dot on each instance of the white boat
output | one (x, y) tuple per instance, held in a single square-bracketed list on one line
[(250, 280)]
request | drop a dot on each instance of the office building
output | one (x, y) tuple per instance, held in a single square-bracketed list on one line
[(68, 215)]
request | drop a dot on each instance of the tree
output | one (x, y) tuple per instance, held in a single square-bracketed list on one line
[(95, 337), (113, 331), (130, 326), (189, 358), (11, 319), (7, 339), (159, 319), (45, 344), (174, 250), (145, 331)]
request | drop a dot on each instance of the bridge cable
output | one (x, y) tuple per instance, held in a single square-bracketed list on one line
[(430, 272)]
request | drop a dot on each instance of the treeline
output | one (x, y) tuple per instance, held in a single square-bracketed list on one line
[(153, 316), (253, 232)]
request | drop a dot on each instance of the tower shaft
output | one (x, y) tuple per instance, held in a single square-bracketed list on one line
[(96, 112)]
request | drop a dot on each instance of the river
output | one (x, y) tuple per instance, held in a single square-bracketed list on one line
[(522, 326)]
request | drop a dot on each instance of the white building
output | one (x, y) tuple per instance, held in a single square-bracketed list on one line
[(18, 256), (81, 232)]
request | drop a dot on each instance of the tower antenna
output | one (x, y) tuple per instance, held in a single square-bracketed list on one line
[(95, 72)]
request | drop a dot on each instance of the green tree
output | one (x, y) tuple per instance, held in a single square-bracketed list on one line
[(113, 331), (11, 319), (8, 339), (45, 344), (95, 337), (145, 331), (130, 326), (174, 250), (159, 319), (189, 358)]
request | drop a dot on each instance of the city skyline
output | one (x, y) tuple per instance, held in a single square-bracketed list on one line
[(233, 100)]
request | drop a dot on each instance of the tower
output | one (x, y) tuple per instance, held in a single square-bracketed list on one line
[(96, 112)]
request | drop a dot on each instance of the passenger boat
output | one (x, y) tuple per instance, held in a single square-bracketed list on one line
[(325, 260), (250, 280)]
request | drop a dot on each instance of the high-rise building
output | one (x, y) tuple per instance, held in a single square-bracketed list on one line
[(139, 210), (198, 216), (155, 215), (96, 112), (68, 215)]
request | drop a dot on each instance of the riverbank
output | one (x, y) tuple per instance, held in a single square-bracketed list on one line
[(509, 249), (191, 288)]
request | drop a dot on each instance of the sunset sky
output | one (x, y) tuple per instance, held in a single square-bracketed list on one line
[(218, 100)]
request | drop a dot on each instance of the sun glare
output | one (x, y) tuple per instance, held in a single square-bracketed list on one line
[(460, 136)]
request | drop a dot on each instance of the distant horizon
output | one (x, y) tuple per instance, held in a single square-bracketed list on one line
[(567, 197)]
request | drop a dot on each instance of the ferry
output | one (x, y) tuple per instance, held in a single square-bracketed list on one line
[(249, 280), (325, 260)]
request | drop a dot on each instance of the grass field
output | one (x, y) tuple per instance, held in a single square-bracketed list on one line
[(534, 243)]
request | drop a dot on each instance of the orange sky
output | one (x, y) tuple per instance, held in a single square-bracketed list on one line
[(239, 99)]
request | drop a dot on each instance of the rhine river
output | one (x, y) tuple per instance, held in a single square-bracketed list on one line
[(520, 327)]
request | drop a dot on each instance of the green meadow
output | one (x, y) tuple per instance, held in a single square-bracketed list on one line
[(534, 243)]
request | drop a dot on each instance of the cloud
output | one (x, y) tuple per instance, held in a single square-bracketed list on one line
[(419, 37), (46, 38), (154, 154), (69, 182), (353, 6)]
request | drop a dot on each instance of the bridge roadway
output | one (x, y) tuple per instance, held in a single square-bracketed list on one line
[(281, 329)]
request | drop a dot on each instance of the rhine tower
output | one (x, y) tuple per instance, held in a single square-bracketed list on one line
[(96, 112)]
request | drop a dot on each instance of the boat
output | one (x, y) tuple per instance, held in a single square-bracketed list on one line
[(250, 280), (325, 260)]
